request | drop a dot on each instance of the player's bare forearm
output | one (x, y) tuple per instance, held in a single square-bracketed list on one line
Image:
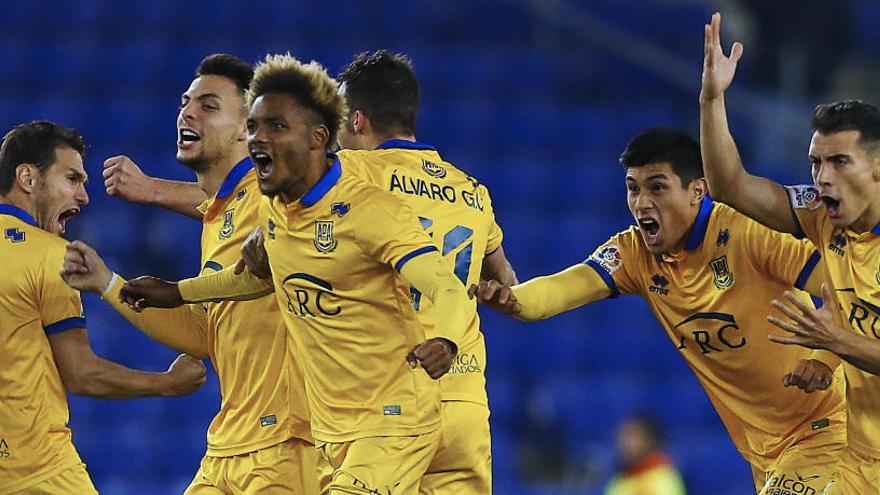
[(861, 352), (179, 197), (729, 182), (496, 266), (84, 373)]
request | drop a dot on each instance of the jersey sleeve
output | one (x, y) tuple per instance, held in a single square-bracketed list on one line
[(615, 262), (782, 256), (60, 305), (496, 235), (808, 211), (394, 234)]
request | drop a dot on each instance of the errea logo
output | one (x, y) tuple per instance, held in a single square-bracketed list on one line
[(659, 283)]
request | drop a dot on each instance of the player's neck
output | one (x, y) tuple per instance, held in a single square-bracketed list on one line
[(213, 175), (376, 140), (869, 219), (317, 169), (21, 200)]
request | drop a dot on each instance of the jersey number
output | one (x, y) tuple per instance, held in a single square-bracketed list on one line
[(452, 240)]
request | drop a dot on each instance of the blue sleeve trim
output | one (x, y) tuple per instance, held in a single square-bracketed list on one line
[(807, 270), (65, 324), (609, 281), (418, 252)]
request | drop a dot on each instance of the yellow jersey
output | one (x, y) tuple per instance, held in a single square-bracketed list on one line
[(35, 442), (713, 298), (261, 383), (335, 256), (456, 212), (851, 263)]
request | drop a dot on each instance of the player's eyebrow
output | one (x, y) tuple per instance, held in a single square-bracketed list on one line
[(657, 177), (79, 175), (209, 95)]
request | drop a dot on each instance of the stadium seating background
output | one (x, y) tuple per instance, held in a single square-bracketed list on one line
[(528, 107)]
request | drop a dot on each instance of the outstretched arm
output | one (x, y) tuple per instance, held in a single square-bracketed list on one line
[(84, 373), (544, 297), (729, 182), (124, 179)]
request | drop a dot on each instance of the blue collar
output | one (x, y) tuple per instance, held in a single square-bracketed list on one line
[(404, 144), (323, 186), (18, 213), (234, 177), (698, 231), (876, 229)]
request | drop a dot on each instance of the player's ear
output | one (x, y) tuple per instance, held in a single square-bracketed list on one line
[(319, 137), (359, 122), (699, 188), (26, 176)]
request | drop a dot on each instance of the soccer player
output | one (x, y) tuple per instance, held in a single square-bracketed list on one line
[(42, 335), (708, 274), (260, 441), (379, 145), (840, 215), (343, 255)]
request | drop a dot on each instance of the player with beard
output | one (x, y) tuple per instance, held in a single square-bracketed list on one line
[(708, 274), (43, 331), (260, 441)]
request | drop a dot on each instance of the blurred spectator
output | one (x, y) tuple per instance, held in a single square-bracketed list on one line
[(645, 468)]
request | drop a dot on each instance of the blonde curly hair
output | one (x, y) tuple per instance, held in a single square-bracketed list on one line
[(309, 84)]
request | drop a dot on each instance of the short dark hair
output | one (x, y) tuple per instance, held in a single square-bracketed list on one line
[(228, 66), (383, 86), (664, 144), (34, 142), (849, 115)]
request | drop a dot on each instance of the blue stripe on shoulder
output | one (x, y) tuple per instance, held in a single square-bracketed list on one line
[(413, 254), (609, 280), (65, 324)]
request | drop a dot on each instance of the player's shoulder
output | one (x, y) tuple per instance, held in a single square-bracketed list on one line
[(614, 252), (31, 245)]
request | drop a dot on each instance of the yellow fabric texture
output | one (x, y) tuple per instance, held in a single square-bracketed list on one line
[(851, 268), (456, 211), (35, 442)]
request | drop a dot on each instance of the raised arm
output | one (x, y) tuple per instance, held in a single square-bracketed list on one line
[(124, 179), (84, 373), (545, 297), (729, 182)]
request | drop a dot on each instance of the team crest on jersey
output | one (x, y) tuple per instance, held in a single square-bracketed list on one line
[(804, 197), (723, 275), (228, 226), (324, 241), (608, 258), (14, 235), (433, 169)]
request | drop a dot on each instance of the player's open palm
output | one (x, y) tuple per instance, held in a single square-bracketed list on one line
[(123, 178), (150, 292), (718, 68), (83, 268), (809, 327), (187, 374), (495, 295)]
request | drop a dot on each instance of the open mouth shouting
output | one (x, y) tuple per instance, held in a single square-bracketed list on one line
[(64, 216), (832, 205), (650, 229), (186, 137), (262, 163)]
